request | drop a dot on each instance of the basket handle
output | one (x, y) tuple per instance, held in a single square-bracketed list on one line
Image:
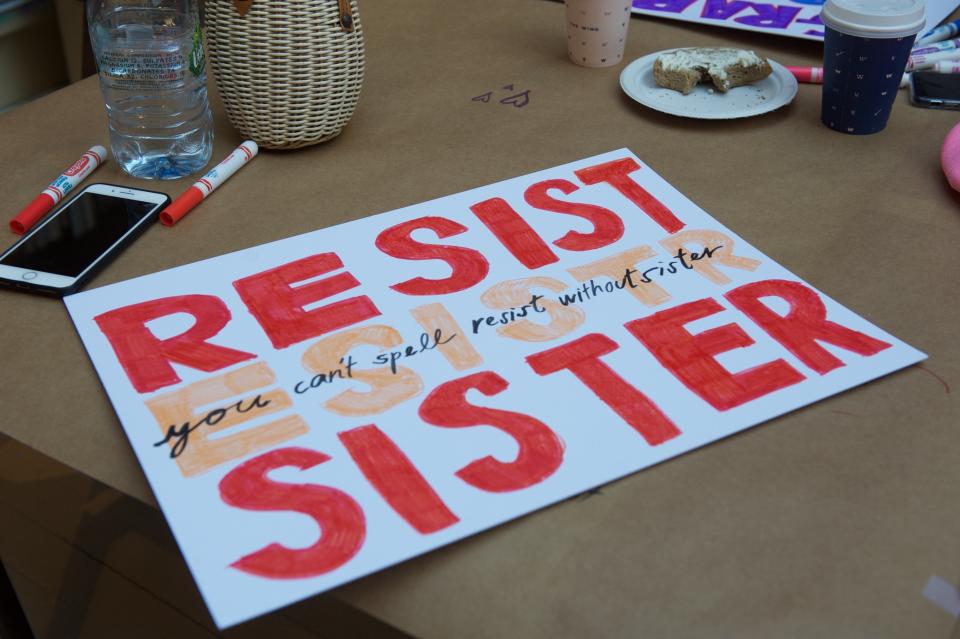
[(345, 19), (346, 16)]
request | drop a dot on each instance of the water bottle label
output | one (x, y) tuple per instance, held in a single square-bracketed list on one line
[(196, 53), (141, 70)]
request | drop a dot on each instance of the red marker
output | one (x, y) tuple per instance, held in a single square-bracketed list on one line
[(810, 75), (814, 75), (208, 183), (44, 203)]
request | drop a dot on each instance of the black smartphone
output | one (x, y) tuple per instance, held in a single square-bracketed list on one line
[(61, 253), (935, 90)]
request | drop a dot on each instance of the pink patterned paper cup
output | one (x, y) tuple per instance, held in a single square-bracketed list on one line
[(596, 31)]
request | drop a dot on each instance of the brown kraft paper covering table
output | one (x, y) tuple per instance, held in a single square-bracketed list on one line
[(827, 521)]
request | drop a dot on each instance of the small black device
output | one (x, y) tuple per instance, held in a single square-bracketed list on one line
[(935, 90), (61, 253)]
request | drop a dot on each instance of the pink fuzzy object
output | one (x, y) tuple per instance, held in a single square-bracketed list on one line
[(950, 157)]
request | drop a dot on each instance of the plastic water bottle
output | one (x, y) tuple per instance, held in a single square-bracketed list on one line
[(152, 75)]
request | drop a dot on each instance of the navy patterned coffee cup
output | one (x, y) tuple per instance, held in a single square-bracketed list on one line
[(861, 77), (866, 45)]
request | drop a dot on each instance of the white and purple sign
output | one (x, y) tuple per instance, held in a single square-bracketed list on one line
[(794, 18)]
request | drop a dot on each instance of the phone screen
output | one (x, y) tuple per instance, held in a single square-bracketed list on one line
[(77, 235), (936, 88)]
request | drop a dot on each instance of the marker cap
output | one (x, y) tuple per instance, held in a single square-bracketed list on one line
[(874, 18), (181, 206), (29, 216)]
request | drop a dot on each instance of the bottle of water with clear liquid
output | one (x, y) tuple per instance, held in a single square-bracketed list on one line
[(152, 75)]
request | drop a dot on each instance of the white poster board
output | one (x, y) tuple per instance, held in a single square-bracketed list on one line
[(316, 409), (794, 18)]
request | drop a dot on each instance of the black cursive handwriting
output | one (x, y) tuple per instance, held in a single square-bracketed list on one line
[(320, 379), (591, 289), (427, 341), (512, 315), (681, 255), (180, 434)]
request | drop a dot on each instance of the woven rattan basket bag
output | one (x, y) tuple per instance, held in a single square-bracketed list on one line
[(289, 71)]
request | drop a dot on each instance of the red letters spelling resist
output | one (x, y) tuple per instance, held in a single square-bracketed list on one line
[(469, 267), (278, 305)]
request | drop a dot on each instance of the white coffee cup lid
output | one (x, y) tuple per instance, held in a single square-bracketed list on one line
[(874, 18)]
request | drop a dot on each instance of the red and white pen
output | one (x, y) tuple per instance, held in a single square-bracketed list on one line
[(810, 75), (814, 75), (208, 183), (51, 196)]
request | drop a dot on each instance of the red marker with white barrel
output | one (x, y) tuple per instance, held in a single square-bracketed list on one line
[(814, 75), (208, 183), (810, 75), (51, 196)]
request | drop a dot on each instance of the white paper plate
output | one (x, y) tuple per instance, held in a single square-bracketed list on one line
[(774, 91)]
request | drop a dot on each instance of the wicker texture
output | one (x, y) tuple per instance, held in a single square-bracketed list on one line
[(289, 75)]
